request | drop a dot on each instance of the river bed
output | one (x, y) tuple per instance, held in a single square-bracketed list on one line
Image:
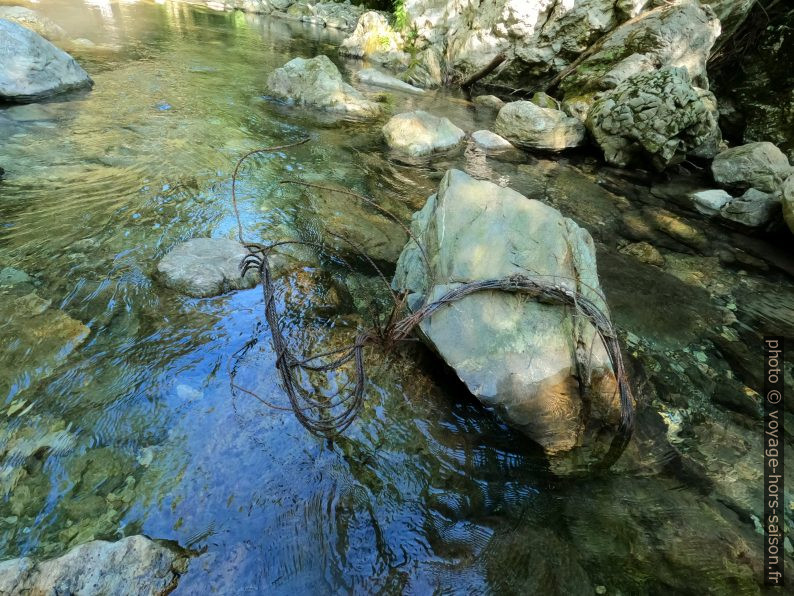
[(116, 412)]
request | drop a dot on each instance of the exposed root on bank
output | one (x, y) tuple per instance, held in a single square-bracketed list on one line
[(328, 416)]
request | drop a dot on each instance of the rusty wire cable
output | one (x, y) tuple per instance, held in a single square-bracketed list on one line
[(328, 416)]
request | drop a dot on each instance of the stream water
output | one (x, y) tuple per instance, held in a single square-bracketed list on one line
[(128, 425)]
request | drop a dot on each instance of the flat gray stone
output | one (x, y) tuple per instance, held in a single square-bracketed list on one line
[(376, 78), (709, 202), (753, 209), (490, 141), (204, 267)]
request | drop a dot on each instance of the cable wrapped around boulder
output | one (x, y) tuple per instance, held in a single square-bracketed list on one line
[(330, 416)]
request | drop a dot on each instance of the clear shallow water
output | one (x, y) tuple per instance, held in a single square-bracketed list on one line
[(137, 430)]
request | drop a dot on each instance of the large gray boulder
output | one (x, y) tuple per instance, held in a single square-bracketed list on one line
[(755, 165), (204, 267), (753, 209), (420, 133), (522, 357), (317, 83), (31, 68), (658, 116), (34, 21), (134, 565), (528, 125), (680, 34)]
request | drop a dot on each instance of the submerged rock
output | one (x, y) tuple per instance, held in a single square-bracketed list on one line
[(33, 68), (34, 21), (317, 83), (356, 227), (10, 276), (518, 355), (644, 252), (755, 165), (133, 565), (529, 125), (370, 76), (420, 133), (43, 337), (204, 267), (658, 116)]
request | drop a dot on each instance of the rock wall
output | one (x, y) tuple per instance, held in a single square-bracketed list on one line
[(537, 37)]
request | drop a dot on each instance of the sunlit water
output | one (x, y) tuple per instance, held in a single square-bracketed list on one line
[(137, 430)]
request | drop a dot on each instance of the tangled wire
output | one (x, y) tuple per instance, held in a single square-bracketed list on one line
[(328, 416)]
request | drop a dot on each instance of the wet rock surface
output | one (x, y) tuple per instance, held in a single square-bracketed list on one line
[(43, 336), (490, 141), (531, 126), (133, 565), (33, 68), (204, 267), (514, 355), (317, 83), (371, 76), (420, 133)]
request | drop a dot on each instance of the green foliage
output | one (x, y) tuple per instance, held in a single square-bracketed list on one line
[(400, 16)]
